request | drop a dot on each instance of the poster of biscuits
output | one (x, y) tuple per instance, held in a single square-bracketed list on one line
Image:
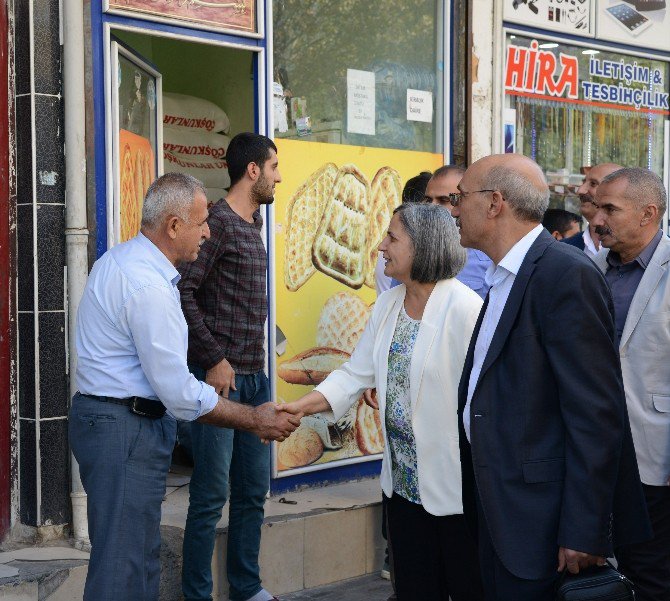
[(137, 170), (331, 212)]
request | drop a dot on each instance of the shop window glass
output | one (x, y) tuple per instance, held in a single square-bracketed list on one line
[(570, 107), (397, 46)]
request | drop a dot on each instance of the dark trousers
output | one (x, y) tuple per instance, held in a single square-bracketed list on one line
[(123, 461), (648, 564), (228, 465), (434, 557), (499, 583)]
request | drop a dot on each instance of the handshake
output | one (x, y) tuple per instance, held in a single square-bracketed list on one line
[(276, 421)]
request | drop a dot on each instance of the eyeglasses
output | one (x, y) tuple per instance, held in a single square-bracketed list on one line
[(456, 197)]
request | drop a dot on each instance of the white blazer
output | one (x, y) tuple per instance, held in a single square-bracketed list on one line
[(435, 370), (644, 349)]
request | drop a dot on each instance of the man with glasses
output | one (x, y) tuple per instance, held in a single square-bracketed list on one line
[(588, 240), (444, 183), (549, 470)]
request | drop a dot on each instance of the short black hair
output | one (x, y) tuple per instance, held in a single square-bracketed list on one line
[(559, 220), (415, 188), (447, 169), (246, 148)]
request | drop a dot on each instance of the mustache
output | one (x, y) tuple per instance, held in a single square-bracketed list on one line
[(586, 198), (603, 230)]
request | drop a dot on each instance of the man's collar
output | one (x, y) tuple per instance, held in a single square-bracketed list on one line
[(515, 256), (511, 262), (614, 259), (161, 262), (588, 241)]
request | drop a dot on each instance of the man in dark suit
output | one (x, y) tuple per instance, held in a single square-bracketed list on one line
[(588, 240), (547, 454)]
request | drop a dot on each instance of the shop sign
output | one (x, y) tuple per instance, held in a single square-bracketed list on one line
[(643, 23), (239, 15), (332, 206), (569, 16), (623, 84)]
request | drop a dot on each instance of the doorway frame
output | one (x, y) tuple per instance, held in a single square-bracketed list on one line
[(8, 401), (102, 27)]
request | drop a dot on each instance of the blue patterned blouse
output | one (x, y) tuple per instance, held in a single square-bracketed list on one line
[(399, 411)]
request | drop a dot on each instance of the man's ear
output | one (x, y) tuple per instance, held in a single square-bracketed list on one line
[(649, 215), (172, 226), (253, 171), (556, 234), (496, 204)]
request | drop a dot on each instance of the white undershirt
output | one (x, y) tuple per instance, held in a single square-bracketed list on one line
[(500, 278)]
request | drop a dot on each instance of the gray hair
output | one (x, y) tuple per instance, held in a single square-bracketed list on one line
[(438, 253), (644, 187), (527, 200), (170, 194)]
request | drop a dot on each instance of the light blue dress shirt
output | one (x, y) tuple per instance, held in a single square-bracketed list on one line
[(500, 278), (131, 333), (473, 274)]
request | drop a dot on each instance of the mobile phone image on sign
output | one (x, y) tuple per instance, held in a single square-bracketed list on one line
[(628, 18)]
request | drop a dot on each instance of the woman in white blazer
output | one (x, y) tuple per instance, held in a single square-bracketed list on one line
[(412, 351)]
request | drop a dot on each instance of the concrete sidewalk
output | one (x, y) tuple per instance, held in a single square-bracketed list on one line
[(366, 588)]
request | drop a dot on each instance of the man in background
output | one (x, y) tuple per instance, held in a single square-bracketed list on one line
[(588, 240), (443, 183), (630, 207), (224, 298), (561, 224)]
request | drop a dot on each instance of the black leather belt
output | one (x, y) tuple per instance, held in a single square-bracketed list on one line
[(137, 404)]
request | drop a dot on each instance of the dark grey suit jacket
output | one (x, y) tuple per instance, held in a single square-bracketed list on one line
[(551, 453)]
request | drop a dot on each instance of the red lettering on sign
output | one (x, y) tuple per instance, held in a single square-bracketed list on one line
[(569, 79), (545, 73), (516, 64), (536, 71)]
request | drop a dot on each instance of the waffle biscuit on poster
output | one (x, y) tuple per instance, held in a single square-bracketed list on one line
[(340, 249), (303, 216), (342, 321), (311, 366), (303, 447), (386, 192), (129, 213), (369, 435)]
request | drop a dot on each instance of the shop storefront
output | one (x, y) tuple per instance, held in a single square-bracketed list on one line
[(352, 98), (594, 90)]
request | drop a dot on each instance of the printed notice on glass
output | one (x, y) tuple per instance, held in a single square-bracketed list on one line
[(360, 102), (419, 106)]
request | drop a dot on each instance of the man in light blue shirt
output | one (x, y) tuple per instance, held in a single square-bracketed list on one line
[(133, 382), (444, 182)]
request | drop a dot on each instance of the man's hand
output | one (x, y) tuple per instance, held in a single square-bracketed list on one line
[(222, 377), (576, 560), (273, 423), (370, 398)]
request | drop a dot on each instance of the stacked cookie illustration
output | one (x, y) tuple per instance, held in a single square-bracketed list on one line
[(336, 220)]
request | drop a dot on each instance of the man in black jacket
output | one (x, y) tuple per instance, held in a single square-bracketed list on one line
[(547, 454)]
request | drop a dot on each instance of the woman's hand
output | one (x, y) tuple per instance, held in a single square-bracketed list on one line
[(312, 402)]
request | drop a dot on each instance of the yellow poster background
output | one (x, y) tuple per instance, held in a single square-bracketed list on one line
[(298, 312)]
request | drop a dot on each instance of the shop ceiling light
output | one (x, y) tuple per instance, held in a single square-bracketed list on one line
[(548, 45), (590, 51)]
